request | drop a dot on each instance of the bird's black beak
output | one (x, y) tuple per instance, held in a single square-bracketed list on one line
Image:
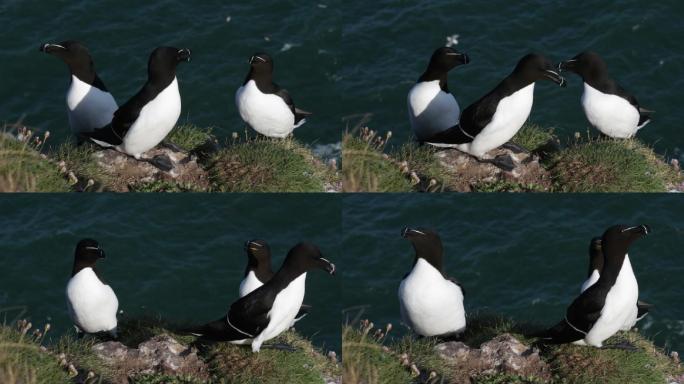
[(643, 229), (567, 65), (464, 59), (327, 266), (184, 55), (552, 75), (407, 232), (50, 48)]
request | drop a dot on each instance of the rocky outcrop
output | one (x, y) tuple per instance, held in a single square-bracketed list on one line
[(161, 354), (502, 355), (507, 165)]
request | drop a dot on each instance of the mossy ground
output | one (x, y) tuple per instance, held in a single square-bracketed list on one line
[(22, 360), (249, 165), (583, 165), (370, 359)]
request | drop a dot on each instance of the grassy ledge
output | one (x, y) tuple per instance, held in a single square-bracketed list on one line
[(370, 356), (201, 165), (582, 165), (26, 358)]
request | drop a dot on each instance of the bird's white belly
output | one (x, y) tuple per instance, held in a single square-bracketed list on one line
[(509, 117), (610, 114), (285, 308), (431, 110), (265, 113), (155, 121), (618, 309), (249, 283), (89, 108), (430, 304), (92, 305)]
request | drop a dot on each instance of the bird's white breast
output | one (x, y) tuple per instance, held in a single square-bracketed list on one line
[(610, 114), (430, 304), (619, 307), (265, 113), (249, 283), (510, 115), (92, 305), (285, 308), (157, 118), (431, 110), (593, 278), (89, 108)]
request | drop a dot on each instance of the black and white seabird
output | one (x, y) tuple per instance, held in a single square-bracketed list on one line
[(608, 107), (89, 103), (145, 120), (258, 271), (495, 118), (431, 303), (263, 105), (431, 107), (92, 304), (595, 268), (605, 307), (270, 309)]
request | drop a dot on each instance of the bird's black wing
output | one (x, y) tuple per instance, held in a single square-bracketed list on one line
[(642, 309), (586, 309), (472, 121), (285, 95), (249, 314), (644, 114)]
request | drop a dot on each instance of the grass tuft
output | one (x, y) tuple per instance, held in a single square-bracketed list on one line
[(267, 165), (367, 360), (533, 136), (609, 165), (189, 137)]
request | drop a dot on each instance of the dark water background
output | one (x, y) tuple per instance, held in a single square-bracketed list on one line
[(178, 256), (344, 58), (521, 256)]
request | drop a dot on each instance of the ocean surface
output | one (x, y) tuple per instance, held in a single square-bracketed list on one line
[(344, 59), (180, 257), (520, 256)]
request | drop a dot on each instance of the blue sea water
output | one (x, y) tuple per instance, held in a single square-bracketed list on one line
[(344, 59), (520, 256)]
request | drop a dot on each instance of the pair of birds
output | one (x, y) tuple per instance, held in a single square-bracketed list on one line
[(495, 118), (431, 303), (269, 303), (149, 116)]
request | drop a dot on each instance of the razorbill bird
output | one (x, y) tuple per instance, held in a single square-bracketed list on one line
[(263, 105), (145, 120), (258, 271), (91, 302), (270, 309), (610, 303), (430, 302), (431, 107), (595, 268), (608, 107), (495, 118), (89, 103)]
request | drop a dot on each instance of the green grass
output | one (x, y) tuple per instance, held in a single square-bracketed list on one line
[(189, 137), (533, 136), (23, 362), (80, 160), (422, 160), (163, 186), (608, 165), (24, 169), (267, 165), (366, 169), (365, 360)]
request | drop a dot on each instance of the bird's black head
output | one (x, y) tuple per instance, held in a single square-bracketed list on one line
[(617, 239), (304, 257), (261, 62), (446, 58), (595, 255), (426, 243), (163, 61), (73, 53), (258, 253), (533, 67), (586, 64), (87, 253)]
